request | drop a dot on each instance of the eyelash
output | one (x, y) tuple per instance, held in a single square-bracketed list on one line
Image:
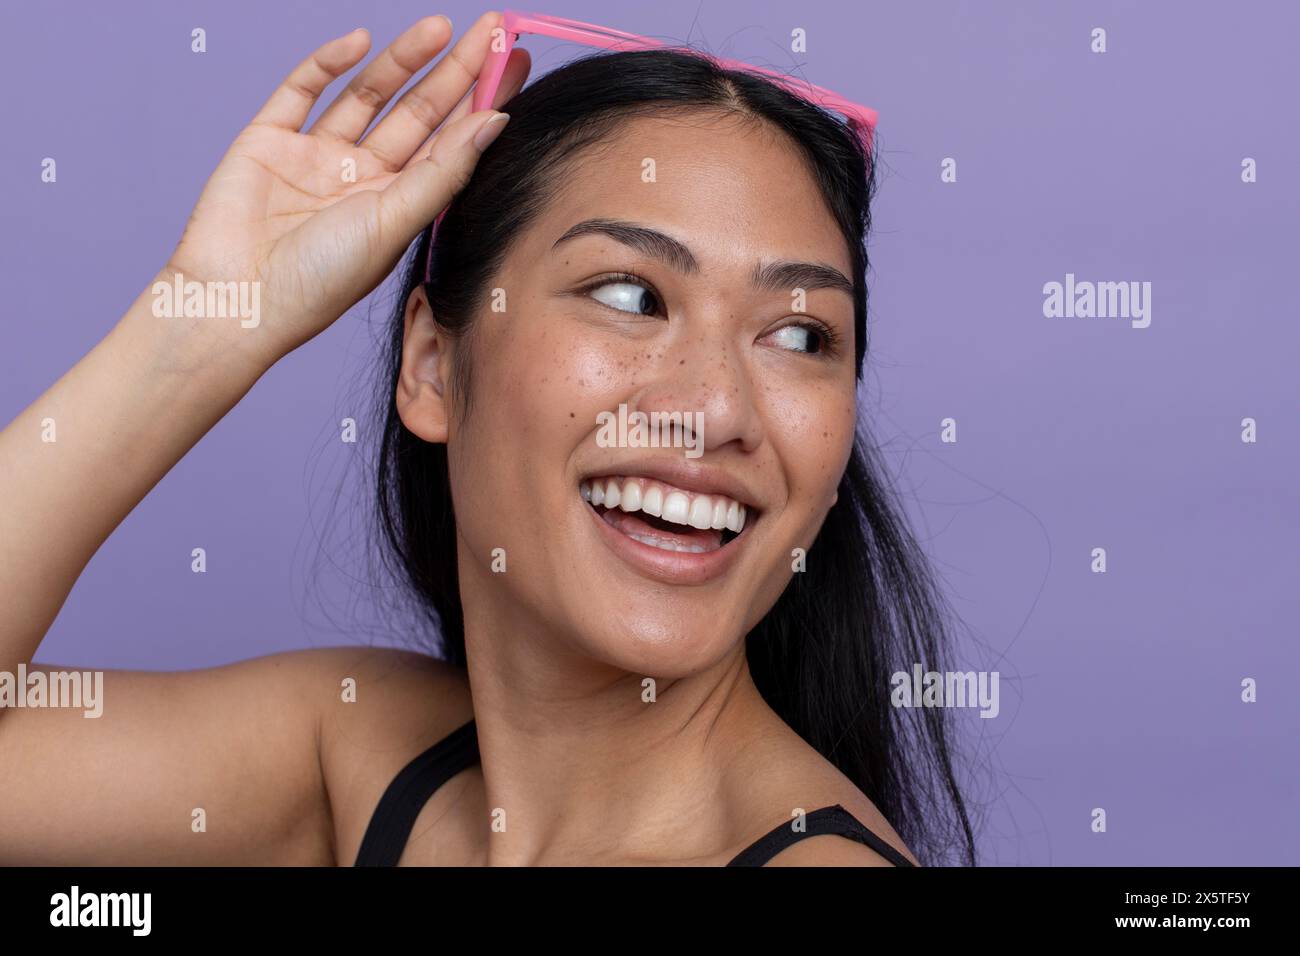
[(830, 339)]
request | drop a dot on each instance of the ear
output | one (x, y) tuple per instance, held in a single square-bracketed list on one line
[(423, 403)]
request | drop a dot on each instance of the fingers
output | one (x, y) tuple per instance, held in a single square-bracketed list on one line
[(292, 101), (370, 90), (425, 105), (512, 81), (423, 189)]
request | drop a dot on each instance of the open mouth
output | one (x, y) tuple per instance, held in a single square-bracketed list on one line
[(662, 516)]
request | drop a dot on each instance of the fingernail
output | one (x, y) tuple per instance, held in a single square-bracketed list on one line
[(450, 25), (490, 131)]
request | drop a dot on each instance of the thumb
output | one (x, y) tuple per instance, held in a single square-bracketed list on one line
[(424, 189)]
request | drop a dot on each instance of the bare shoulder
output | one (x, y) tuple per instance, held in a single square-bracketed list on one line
[(790, 779), (379, 708), (377, 701), (378, 683)]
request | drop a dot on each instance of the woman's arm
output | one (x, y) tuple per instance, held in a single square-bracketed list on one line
[(120, 419), (302, 225)]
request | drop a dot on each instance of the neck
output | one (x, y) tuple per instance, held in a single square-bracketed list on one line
[(584, 762)]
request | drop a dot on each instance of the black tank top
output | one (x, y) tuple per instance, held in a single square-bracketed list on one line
[(391, 824)]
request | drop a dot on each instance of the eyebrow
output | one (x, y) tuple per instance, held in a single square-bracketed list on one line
[(773, 277), (647, 241), (783, 276)]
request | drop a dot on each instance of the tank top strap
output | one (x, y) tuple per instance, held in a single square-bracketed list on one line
[(833, 820), (395, 815)]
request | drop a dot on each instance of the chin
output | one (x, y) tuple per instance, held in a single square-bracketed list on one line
[(663, 649)]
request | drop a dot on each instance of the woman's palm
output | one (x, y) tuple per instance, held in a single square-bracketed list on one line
[(260, 219), (318, 218)]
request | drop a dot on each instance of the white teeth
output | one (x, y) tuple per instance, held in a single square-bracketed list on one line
[(635, 494), (736, 517), (677, 508), (701, 513), (631, 497), (653, 502)]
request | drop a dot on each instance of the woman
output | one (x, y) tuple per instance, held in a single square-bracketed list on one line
[(648, 656)]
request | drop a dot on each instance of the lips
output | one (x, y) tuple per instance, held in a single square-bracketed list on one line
[(660, 515), (674, 533)]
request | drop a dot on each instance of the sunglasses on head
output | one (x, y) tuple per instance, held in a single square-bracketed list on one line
[(514, 24)]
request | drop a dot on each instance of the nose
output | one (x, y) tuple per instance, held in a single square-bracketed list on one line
[(704, 376)]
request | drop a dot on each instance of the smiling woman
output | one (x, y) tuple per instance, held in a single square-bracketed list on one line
[(675, 294), (642, 657)]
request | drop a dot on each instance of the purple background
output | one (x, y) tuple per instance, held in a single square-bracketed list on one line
[(1119, 690)]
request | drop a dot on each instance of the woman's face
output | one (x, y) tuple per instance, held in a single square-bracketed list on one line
[(704, 211)]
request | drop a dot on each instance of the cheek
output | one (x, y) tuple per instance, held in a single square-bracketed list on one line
[(559, 376), (812, 428), (538, 385)]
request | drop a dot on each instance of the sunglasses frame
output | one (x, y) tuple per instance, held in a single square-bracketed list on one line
[(515, 24)]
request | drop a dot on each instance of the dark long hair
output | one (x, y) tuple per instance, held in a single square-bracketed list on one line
[(866, 607)]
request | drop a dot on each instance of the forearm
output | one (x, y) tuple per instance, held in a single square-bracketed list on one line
[(79, 458)]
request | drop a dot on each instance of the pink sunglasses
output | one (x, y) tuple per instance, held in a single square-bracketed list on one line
[(861, 118)]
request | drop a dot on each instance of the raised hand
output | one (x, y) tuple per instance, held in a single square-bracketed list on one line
[(319, 217)]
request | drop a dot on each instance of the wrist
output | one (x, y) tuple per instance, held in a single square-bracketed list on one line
[(185, 325)]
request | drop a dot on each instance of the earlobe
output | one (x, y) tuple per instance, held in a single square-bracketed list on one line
[(421, 397)]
